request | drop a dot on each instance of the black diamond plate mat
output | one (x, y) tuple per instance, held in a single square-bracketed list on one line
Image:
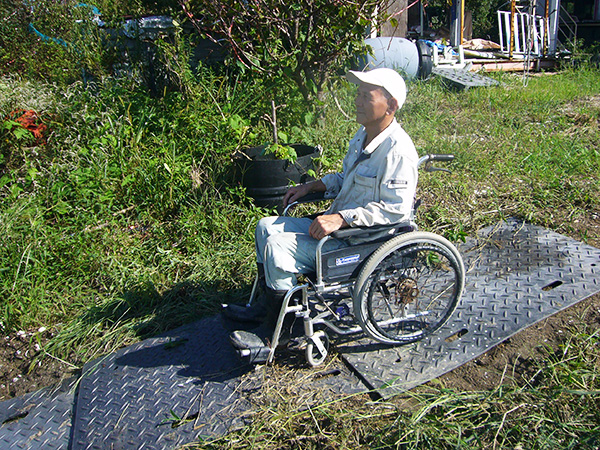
[(185, 386), (40, 420), (165, 392), (517, 275), (162, 392), (188, 385)]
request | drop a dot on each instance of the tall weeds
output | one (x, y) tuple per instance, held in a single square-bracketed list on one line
[(556, 408), (128, 209)]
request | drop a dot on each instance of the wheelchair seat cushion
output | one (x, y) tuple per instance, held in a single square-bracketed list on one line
[(359, 235)]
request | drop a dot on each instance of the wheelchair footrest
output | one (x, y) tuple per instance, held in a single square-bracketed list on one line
[(254, 355)]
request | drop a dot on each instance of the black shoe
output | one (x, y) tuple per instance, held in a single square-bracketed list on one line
[(257, 311), (256, 345), (254, 313), (259, 337), (256, 355), (241, 339)]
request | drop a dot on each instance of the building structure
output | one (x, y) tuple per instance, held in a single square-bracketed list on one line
[(584, 16)]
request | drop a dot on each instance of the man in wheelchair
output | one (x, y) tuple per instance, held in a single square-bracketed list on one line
[(376, 187)]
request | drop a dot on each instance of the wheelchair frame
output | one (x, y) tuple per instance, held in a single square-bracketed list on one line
[(399, 245)]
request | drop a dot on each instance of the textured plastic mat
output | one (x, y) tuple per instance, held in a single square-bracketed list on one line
[(517, 275), (188, 385), (463, 79), (162, 392), (179, 388), (40, 420)]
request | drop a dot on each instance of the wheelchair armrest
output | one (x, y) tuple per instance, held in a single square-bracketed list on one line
[(376, 231)]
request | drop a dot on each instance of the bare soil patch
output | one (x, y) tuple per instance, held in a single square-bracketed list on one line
[(19, 371), (516, 360)]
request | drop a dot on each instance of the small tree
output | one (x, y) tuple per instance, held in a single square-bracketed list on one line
[(304, 41)]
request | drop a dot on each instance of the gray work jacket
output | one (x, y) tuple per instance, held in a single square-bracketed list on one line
[(379, 189)]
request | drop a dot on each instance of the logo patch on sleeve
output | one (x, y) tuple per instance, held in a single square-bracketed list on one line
[(397, 184)]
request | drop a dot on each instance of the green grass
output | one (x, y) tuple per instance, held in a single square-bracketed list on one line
[(124, 215), (522, 151), (128, 222)]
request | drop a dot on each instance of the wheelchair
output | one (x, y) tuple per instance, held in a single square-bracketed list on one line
[(397, 286)]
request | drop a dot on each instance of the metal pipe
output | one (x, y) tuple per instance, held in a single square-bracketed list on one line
[(421, 12), (285, 309), (462, 21), (546, 37), (319, 267), (513, 5)]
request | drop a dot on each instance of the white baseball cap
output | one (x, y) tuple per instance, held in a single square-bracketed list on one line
[(388, 79)]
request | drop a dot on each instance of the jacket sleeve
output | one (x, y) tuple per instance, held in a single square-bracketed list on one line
[(333, 182)]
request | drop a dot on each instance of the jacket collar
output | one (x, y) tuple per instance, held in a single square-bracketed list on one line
[(393, 126)]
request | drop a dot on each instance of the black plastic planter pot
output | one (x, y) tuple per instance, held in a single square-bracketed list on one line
[(266, 179)]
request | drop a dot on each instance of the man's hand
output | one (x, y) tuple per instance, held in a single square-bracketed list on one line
[(294, 193), (297, 192), (325, 225)]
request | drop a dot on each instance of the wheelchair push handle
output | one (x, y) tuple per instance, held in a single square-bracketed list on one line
[(428, 159)]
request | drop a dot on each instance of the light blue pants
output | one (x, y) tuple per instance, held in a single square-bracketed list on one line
[(285, 248)]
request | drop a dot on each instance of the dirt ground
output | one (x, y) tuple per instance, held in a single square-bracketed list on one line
[(514, 360), (19, 374)]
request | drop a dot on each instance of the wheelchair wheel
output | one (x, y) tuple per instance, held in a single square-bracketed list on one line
[(408, 288), (317, 348)]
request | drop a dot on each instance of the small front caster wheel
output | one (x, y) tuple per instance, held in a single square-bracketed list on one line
[(317, 347)]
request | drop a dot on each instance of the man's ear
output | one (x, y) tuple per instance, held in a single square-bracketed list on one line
[(392, 105)]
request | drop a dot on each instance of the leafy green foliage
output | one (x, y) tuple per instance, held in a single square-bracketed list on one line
[(122, 180), (299, 42), (50, 40), (280, 151), (16, 130), (485, 22), (67, 41)]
